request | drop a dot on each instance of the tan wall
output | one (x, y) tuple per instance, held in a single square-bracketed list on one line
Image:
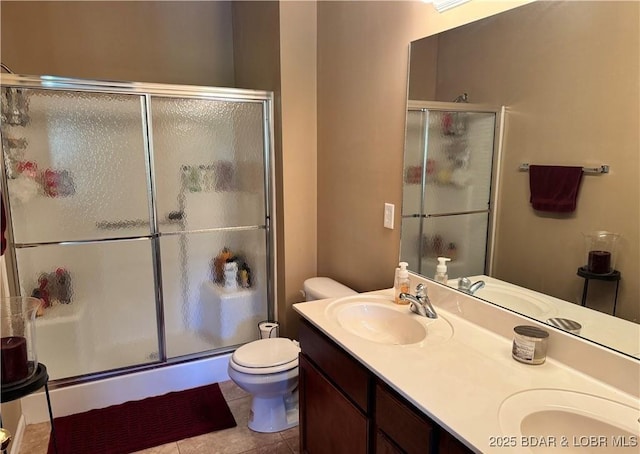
[(137, 41), (361, 71), (255, 42), (572, 97), (257, 60), (299, 152), (363, 50), (275, 49), (362, 61), (423, 73)]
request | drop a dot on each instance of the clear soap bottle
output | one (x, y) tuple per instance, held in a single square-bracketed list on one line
[(402, 283)]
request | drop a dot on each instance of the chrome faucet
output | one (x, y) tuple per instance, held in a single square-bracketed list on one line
[(420, 303), (464, 284)]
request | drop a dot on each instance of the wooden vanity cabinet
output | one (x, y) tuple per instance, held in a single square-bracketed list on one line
[(450, 445), (334, 392), (402, 426), (329, 422), (344, 408), (408, 430)]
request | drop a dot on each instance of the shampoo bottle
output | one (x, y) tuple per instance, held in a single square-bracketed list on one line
[(441, 270), (402, 283)]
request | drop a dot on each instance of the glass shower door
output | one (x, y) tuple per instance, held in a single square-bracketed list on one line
[(449, 150), (413, 188), (210, 171), (80, 226), (456, 205), (140, 213)]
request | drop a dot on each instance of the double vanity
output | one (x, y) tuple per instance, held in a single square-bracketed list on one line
[(376, 377)]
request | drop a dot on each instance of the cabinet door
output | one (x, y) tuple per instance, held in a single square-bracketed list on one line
[(450, 445), (411, 431), (329, 422), (384, 445), (351, 377)]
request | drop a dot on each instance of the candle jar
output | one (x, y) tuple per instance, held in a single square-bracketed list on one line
[(18, 335), (529, 344), (601, 251)]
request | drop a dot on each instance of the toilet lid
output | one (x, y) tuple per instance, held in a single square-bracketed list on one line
[(266, 353)]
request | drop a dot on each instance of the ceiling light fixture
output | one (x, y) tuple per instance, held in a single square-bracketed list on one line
[(443, 5)]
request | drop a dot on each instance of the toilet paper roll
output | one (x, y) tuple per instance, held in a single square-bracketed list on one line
[(269, 329)]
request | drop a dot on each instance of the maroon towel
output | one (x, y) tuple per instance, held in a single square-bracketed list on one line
[(554, 188)]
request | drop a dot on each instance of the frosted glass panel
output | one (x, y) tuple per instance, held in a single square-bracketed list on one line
[(102, 312), (76, 170), (414, 153), (462, 238), (410, 243), (459, 160), (81, 169), (201, 314), (209, 163)]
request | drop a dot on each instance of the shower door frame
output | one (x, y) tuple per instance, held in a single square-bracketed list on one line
[(496, 166), (146, 91)]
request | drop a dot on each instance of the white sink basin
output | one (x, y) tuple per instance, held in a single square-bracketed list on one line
[(518, 301), (377, 319), (556, 420)]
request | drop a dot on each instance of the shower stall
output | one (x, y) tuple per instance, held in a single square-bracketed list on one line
[(450, 184), (141, 215)]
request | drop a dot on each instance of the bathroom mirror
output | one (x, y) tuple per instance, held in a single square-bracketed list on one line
[(568, 76)]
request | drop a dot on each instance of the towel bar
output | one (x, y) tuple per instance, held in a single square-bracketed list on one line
[(600, 169)]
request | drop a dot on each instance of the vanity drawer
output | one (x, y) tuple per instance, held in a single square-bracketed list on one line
[(344, 371), (409, 430)]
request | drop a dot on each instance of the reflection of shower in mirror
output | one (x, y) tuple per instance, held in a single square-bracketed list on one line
[(549, 62)]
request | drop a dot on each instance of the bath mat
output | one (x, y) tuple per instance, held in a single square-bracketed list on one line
[(142, 424)]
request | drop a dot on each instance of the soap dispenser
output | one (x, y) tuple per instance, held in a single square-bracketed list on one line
[(441, 270), (402, 283)]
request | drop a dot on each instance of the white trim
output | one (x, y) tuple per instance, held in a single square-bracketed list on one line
[(16, 444), (444, 5), (116, 390)]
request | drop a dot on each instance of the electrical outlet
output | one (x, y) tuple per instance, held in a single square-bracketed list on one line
[(389, 209)]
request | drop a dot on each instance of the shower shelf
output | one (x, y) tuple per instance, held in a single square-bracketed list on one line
[(16, 144)]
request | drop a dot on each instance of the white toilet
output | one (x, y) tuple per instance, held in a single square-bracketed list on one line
[(268, 369)]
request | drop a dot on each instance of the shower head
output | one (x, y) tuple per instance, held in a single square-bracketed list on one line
[(464, 97)]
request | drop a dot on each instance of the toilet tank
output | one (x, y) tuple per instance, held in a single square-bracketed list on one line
[(317, 288)]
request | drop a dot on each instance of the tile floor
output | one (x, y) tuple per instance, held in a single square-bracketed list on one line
[(229, 441)]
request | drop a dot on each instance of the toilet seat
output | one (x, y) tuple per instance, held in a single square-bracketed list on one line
[(265, 356)]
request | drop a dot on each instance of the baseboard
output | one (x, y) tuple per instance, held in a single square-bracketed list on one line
[(17, 437), (116, 390)]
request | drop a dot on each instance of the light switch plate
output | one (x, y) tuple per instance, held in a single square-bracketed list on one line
[(389, 209)]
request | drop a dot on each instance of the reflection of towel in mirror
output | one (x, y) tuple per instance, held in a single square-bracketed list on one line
[(554, 188)]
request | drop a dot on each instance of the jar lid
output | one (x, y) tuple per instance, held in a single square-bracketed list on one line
[(531, 331), (566, 324)]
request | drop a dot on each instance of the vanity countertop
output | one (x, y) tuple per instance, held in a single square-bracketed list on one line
[(620, 334), (462, 382)]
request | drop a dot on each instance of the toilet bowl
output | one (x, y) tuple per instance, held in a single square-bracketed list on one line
[(268, 369)]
